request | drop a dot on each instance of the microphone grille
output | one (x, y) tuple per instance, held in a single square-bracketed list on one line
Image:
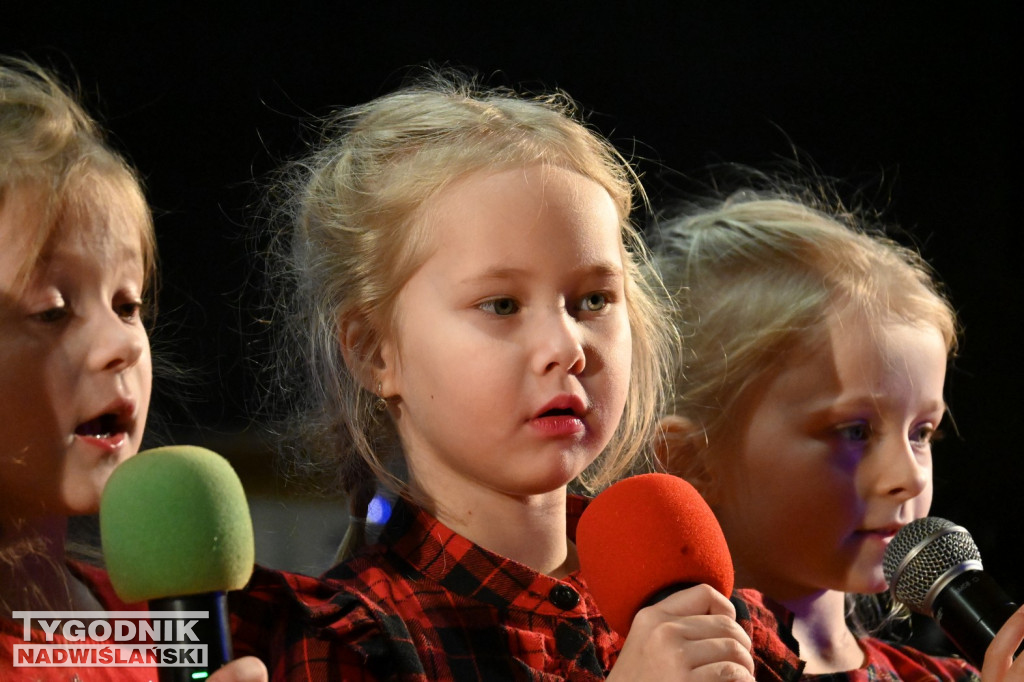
[(922, 555)]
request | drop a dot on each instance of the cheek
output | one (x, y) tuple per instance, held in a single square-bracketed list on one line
[(923, 502), (617, 365), (439, 367), (82, 486), (738, 487), (756, 490), (614, 355), (34, 397), (145, 366)]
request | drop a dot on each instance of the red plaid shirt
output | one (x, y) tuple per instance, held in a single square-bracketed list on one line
[(887, 661), (428, 604), (884, 661)]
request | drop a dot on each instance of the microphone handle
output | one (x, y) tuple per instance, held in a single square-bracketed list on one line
[(970, 610), (666, 592), (213, 631)]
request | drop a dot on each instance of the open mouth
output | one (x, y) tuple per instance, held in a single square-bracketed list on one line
[(563, 406), (561, 417), (885, 534), (104, 426), (558, 412)]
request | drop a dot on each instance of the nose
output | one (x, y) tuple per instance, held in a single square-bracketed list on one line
[(559, 344), (114, 345), (900, 470)]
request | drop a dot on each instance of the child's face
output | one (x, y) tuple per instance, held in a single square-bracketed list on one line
[(835, 457), (512, 348), (75, 371)]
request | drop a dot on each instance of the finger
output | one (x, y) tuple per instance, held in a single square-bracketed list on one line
[(245, 669), (719, 672), (698, 654), (698, 600), (697, 628), (999, 656), (666, 655), (656, 624), (694, 641)]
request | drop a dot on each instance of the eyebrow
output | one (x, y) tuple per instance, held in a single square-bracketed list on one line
[(874, 401), (601, 270)]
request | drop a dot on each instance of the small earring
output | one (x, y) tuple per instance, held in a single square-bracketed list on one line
[(380, 404)]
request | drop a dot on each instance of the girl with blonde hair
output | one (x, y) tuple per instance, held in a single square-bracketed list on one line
[(468, 291), (808, 391), (77, 262)]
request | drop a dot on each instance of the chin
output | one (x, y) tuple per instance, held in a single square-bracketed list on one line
[(875, 589), (82, 498), (870, 585), (82, 505)]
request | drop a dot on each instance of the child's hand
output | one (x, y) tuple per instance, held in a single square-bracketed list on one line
[(691, 635), (999, 665), (245, 669)]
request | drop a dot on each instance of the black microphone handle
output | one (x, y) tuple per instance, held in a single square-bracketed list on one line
[(970, 610), (214, 631), (666, 592)]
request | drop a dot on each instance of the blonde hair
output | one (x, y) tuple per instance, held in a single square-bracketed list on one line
[(54, 155), (353, 238), (51, 147), (757, 276)]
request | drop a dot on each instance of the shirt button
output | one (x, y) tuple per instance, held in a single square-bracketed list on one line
[(564, 597)]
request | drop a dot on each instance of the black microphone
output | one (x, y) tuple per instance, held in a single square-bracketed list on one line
[(934, 568)]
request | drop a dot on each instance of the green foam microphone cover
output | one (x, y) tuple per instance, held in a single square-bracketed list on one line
[(174, 522)]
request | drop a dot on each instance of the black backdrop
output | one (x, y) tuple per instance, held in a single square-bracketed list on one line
[(205, 99)]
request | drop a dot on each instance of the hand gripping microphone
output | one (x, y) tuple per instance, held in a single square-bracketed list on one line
[(177, 533), (646, 537), (934, 568)]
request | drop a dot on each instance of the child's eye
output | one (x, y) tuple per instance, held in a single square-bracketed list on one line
[(54, 314), (593, 302), (925, 434), (854, 432), (501, 306), (130, 310)]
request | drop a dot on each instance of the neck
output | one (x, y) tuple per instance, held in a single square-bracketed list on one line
[(530, 530), (33, 569), (819, 625)]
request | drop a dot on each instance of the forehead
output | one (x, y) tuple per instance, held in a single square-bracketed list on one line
[(856, 356), (112, 239), (501, 209), (100, 216), (859, 329), (23, 232), (20, 213), (105, 202)]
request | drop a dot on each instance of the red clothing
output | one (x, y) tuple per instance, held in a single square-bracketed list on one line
[(427, 604), (887, 661), (884, 661), (12, 632)]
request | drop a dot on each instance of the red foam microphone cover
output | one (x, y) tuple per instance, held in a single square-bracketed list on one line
[(644, 534)]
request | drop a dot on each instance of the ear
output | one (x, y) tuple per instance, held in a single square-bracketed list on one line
[(365, 354), (680, 447)]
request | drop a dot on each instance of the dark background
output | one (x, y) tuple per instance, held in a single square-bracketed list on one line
[(909, 97)]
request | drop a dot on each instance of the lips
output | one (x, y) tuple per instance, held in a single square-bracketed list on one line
[(102, 426), (883, 532), (563, 406), (561, 417), (109, 429)]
